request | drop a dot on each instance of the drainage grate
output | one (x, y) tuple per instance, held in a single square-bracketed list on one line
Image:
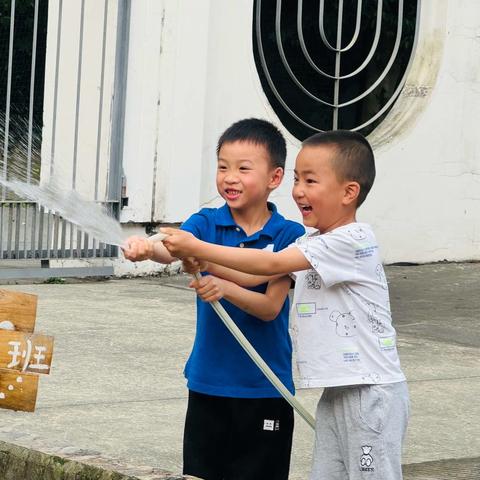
[(455, 469)]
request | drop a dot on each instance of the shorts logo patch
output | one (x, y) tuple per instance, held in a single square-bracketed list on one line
[(268, 425), (366, 460)]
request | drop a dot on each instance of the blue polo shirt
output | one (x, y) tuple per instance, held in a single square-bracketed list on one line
[(218, 365)]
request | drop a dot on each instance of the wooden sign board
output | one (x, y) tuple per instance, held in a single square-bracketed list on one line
[(23, 354), (18, 391), (19, 310)]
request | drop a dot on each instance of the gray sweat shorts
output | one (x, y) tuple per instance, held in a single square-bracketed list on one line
[(359, 432)]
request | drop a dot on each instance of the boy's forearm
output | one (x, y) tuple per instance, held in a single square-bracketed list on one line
[(252, 261), (160, 254), (265, 306), (247, 260), (240, 278)]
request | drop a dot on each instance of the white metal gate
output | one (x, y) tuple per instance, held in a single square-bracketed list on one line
[(71, 126)]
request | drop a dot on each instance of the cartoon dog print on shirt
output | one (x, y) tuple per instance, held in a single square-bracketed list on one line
[(357, 233), (311, 256), (372, 378), (345, 322)]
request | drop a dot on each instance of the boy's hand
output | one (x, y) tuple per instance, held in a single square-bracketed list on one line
[(209, 288), (193, 265), (137, 249), (179, 243)]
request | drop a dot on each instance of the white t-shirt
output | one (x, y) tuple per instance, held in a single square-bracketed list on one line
[(341, 322)]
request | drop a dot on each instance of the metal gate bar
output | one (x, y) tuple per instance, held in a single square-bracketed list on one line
[(9, 91), (27, 230), (32, 93)]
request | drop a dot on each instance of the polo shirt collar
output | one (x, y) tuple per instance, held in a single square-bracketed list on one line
[(224, 218)]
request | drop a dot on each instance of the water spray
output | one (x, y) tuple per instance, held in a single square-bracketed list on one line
[(90, 216)]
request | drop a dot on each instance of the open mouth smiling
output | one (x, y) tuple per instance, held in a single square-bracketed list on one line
[(305, 208), (231, 193)]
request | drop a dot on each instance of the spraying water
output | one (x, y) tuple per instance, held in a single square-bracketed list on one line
[(20, 174), (91, 217)]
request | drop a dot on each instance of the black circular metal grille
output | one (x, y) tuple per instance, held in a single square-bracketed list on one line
[(334, 64)]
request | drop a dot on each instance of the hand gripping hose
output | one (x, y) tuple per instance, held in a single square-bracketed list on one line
[(252, 353)]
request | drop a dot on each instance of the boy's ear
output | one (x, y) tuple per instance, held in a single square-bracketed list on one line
[(352, 190), (276, 178)]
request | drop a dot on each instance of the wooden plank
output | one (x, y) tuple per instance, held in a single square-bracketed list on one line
[(18, 391), (18, 309), (26, 352)]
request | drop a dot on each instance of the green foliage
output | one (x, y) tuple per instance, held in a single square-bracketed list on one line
[(21, 80), (22, 60), (55, 280)]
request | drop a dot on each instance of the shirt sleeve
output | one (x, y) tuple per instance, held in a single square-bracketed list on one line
[(292, 231), (332, 256), (297, 232), (195, 224)]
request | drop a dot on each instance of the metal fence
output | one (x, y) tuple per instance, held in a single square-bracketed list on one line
[(28, 230)]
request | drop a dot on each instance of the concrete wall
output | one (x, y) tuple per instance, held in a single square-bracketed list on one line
[(191, 74), (425, 204)]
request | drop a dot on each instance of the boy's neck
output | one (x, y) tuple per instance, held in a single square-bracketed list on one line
[(252, 219), (341, 222)]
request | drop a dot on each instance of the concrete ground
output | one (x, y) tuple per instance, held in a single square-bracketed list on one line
[(116, 388)]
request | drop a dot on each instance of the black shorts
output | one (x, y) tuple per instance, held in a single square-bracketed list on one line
[(237, 438)]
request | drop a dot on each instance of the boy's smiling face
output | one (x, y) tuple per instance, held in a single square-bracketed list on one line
[(325, 202), (245, 176)]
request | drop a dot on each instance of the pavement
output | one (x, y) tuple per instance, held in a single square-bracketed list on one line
[(116, 388)]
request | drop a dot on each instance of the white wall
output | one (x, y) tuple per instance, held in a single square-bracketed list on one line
[(425, 205), (191, 74), (198, 77)]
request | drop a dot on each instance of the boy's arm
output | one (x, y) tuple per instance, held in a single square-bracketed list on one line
[(240, 278), (193, 265), (265, 306), (137, 249), (253, 261)]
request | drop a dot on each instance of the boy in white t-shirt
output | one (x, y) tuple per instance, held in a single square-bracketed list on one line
[(341, 322)]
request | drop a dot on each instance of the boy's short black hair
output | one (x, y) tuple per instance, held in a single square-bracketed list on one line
[(259, 132), (353, 159)]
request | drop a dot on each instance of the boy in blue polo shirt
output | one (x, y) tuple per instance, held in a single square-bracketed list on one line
[(237, 425)]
